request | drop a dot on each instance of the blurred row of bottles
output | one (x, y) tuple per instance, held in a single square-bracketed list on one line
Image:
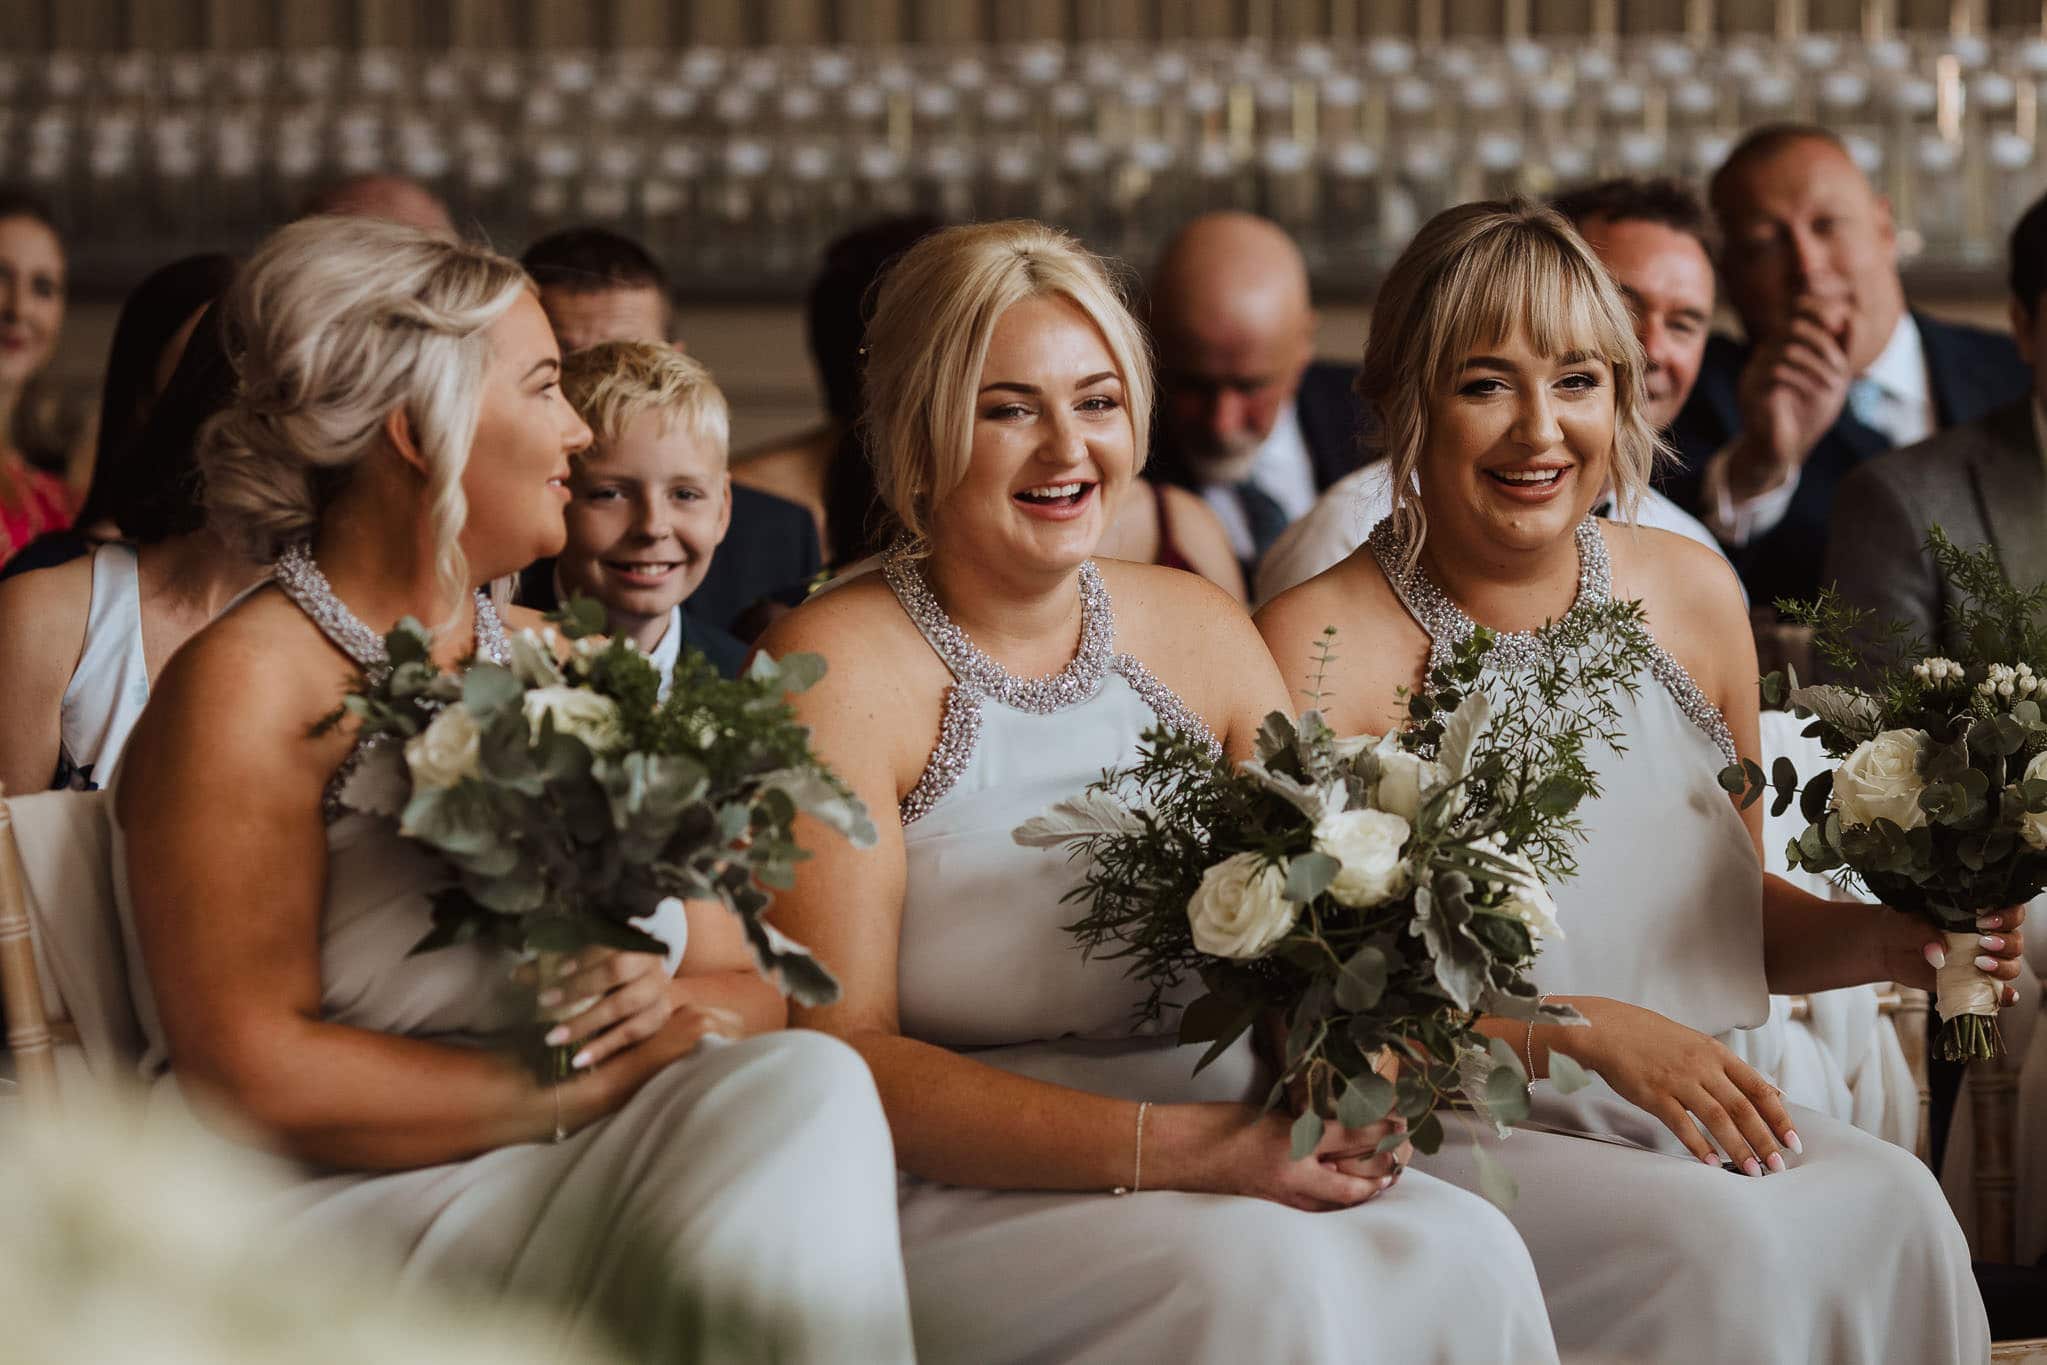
[(737, 165)]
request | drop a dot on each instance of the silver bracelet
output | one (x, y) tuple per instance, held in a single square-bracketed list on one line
[(1528, 1043), (1137, 1171)]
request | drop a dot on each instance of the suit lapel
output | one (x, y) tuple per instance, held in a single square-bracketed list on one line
[(2011, 487)]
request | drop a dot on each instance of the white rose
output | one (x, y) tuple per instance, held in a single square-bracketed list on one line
[(1880, 780), (1529, 901), (1239, 910), (1366, 845), (2032, 826), (446, 751), (589, 716), (1404, 778)]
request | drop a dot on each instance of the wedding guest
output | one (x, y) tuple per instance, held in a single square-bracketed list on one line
[(392, 198), (82, 643), (1982, 482), (988, 669), (156, 320), (32, 274), (600, 286), (648, 501), (1248, 418), (1835, 369), (398, 440), (1503, 367), (1654, 238), (826, 470)]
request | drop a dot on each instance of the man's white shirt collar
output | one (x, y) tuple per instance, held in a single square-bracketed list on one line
[(1899, 372)]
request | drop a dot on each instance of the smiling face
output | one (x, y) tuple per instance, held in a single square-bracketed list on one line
[(517, 477), (1052, 448), (647, 511), (31, 298), (1801, 222), (1520, 445), (1668, 282)]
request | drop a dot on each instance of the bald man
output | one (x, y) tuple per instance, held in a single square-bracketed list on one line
[(1247, 417), (1836, 369), (392, 198)]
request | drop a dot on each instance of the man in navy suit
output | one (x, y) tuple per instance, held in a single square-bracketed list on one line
[(1247, 417), (1836, 370), (597, 285)]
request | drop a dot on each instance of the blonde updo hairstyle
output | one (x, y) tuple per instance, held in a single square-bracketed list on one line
[(332, 325), (934, 313), (1474, 276)]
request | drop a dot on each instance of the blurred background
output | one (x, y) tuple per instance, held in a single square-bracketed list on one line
[(736, 137)]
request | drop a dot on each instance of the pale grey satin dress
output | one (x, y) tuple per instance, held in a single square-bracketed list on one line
[(1424, 1273), (758, 1175), (1645, 1253)]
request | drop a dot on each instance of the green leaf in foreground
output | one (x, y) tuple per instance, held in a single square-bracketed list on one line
[(1565, 1074), (1495, 1181), (1307, 1134)]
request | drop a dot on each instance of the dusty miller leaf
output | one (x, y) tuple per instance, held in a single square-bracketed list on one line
[(1080, 817)]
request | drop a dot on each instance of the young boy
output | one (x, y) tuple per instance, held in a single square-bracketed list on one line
[(650, 499)]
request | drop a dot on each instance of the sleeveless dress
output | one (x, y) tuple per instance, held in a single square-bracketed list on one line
[(1645, 1253), (757, 1176), (1423, 1273), (110, 686)]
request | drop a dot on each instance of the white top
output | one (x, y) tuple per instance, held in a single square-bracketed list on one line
[(110, 686), (664, 654), (1282, 468), (1898, 405), (1355, 503)]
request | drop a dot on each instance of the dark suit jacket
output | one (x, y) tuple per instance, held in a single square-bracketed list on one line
[(1329, 417), (770, 552), (1972, 371), (720, 646), (1981, 483)]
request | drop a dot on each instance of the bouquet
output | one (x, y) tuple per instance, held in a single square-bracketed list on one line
[(1375, 896), (569, 800), (1937, 803)]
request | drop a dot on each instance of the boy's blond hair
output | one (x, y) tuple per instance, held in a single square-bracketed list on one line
[(613, 382)]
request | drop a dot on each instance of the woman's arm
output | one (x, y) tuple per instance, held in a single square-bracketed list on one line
[(226, 848), (42, 636)]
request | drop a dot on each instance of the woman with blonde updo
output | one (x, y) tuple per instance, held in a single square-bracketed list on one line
[(399, 441), (990, 668), (1503, 369)]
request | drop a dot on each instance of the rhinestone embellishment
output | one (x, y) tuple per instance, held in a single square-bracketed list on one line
[(1447, 626), (978, 677)]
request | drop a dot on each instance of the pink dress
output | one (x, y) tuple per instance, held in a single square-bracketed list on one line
[(31, 502)]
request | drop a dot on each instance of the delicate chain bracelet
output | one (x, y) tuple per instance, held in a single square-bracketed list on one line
[(1137, 1171), (1528, 1043)]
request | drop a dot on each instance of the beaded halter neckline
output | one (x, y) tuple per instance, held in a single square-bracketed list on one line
[(1447, 625), (301, 581), (977, 677)]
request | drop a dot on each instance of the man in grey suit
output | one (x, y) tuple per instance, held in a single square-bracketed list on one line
[(1983, 482)]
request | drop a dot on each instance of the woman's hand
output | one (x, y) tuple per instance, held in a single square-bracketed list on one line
[(604, 1001), (1913, 952), (1236, 1149), (1678, 1074)]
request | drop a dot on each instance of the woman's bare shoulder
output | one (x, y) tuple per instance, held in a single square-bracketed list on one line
[(1345, 638), (43, 618), (1685, 588)]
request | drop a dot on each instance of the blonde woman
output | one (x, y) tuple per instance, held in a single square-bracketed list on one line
[(398, 441), (990, 668), (1504, 368)]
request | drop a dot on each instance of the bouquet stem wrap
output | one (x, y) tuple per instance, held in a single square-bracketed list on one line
[(1966, 1000)]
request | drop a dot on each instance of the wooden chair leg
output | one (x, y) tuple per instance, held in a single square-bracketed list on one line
[(21, 992)]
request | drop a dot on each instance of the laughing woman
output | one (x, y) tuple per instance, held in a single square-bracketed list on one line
[(989, 669), (1504, 369)]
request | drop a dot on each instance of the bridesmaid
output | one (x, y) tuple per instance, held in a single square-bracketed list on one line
[(398, 441), (1504, 369), (989, 669)]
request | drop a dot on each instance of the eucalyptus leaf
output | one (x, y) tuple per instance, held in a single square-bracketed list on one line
[(1365, 1100), (1566, 1075), (1308, 875), (1307, 1135), (1362, 980), (1495, 1181), (486, 687)]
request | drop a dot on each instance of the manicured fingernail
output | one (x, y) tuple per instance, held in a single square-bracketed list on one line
[(1991, 941), (1385, 1182), (1709, 1161), (565, 966), (1751, 1167), (1776, 1162), (1990, 922), (1791, 1140), (1987, 964), (549, 999), (557, 1036), (580, 1060), (1937, 955)]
